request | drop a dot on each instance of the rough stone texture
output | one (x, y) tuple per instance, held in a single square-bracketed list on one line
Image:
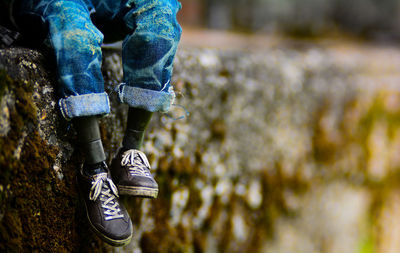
[(290, 149)]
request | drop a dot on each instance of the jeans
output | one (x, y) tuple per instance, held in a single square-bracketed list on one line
[(151, 33)]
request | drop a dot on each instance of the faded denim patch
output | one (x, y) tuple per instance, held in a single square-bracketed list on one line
[(85, 105), (77, 43), (148, 52), (146, 99)]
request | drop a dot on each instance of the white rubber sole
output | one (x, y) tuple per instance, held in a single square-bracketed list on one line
[(138, 191)]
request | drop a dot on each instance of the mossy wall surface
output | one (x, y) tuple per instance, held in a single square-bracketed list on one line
[(285, 150)]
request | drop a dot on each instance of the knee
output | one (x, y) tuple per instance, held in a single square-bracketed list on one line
[(70, 27), (156, 17)]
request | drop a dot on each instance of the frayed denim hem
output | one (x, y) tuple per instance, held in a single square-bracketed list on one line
[(84, 105), (150, 100)]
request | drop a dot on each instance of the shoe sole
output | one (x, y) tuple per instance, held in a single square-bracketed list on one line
[(138, 191)]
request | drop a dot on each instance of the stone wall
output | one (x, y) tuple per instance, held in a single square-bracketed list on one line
[(290, 149)]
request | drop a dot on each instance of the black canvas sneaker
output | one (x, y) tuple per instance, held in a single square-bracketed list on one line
[(131, 172), (107, 217)]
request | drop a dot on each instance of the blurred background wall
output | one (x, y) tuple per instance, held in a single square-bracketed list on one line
[(373, 19)]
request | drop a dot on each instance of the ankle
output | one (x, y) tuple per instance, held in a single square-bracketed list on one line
[(93, 169), (138, 119), (137, 122), (88, 131), (94, 152), (133, 139)]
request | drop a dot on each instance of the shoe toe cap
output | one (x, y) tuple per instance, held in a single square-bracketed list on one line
[(119, 229), (115, 231)]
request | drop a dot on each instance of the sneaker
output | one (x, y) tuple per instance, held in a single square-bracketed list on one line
[(131, 172), (107, 217)]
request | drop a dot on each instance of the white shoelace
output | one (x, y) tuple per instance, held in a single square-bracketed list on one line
[(137, 163), (104, 188)]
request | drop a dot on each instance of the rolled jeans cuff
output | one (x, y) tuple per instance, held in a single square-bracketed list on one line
[(84, 105), (150, 100)]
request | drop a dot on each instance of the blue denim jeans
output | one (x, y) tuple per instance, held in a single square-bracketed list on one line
[(151, 34)]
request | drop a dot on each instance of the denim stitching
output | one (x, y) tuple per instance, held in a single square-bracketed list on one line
[(60, 103)]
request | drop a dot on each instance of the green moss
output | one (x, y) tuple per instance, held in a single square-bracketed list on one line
[(324, 150), (167, 238), (367, 243), (5, 81), (378, 112), (379, 189), (35, 218)]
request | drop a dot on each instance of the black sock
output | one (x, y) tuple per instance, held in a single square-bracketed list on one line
[(138, 119), (93, 169), (90, 140)]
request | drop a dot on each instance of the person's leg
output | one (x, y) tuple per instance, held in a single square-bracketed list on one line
[(147, 54), (90, 140), (76, 45), (137, 122)]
